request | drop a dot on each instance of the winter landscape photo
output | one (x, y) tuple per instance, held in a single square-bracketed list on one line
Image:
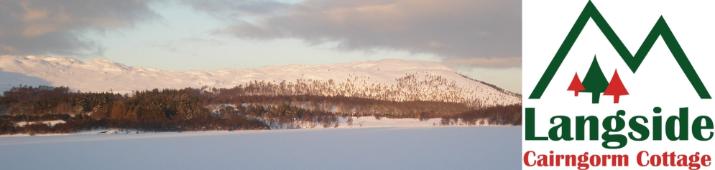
[(260, 84)]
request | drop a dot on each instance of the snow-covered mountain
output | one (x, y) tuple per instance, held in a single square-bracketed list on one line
[(397, 80)]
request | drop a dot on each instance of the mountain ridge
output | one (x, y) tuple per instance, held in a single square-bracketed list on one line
[(391, 79)]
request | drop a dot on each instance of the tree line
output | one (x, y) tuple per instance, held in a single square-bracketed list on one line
[(209, 109)]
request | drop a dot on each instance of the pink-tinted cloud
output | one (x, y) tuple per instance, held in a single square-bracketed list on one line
[(56, 26), (473, 32)]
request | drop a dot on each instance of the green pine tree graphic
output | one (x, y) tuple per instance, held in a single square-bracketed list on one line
[(595, 82)]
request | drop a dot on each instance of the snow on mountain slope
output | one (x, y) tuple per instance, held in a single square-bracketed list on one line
[(397, 80)]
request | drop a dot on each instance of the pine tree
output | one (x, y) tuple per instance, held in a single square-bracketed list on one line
[(576, 85), (595, 82), (615, 88)]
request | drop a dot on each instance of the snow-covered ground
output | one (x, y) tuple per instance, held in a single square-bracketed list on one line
[(48, 123), (350, 148), (373, 122)]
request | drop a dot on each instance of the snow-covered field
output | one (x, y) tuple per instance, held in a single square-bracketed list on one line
[(350, 148)]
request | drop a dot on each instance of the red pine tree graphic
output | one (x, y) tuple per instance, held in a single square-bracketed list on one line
[(576, 85), (615, 88)]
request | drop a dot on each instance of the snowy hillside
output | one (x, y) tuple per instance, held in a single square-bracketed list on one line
[(396, 80)]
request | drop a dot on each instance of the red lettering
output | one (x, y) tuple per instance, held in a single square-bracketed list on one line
[(640, 158), (526, 158)]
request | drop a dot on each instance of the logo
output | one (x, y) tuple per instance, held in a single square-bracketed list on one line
[(595, 81), (615, 101)]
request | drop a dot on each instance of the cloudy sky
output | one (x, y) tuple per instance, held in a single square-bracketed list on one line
[(480, 38)]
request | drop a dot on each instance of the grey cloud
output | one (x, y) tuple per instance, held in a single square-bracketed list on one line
[(237, 8), (464, 32), (38, 27)]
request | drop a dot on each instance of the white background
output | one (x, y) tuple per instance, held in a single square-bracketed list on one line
[(658, 82)]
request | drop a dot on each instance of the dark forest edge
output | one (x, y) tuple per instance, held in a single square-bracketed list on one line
[(192, 109)]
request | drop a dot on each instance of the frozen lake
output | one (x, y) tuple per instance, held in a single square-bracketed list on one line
[(356, 148)]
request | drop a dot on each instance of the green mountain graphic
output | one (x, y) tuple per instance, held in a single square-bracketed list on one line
[(660, 29)]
